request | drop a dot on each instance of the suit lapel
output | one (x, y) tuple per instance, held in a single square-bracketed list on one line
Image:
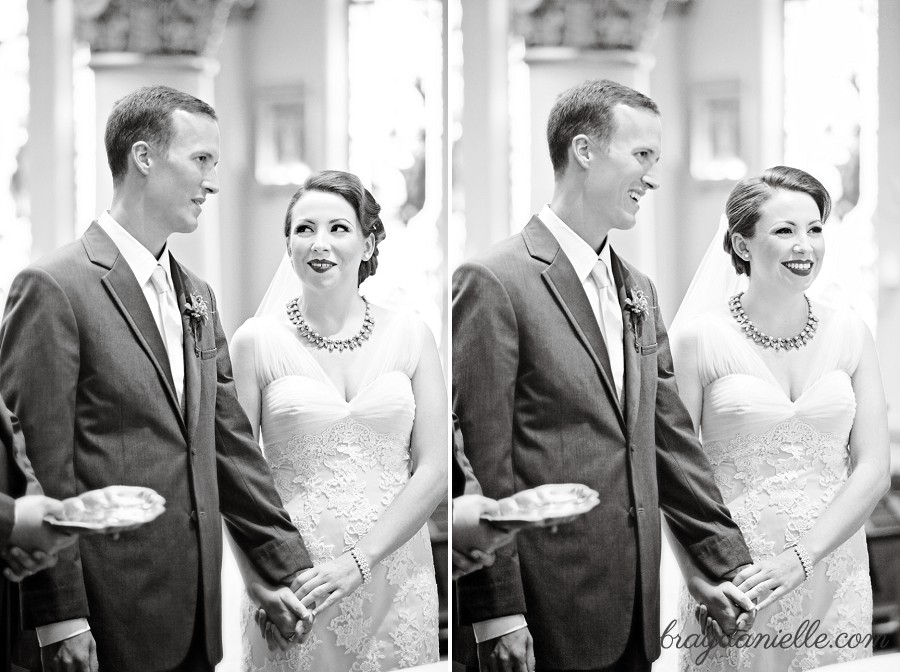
[(183, 289), (129, 299), (623, 279), (565, 286)]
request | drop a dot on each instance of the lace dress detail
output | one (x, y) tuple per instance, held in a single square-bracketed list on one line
[(778, 464), (338, 465)]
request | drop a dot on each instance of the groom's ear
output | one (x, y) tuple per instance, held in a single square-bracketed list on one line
[(140, 156), (581, 150)]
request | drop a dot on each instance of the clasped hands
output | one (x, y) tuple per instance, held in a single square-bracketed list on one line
[(723, 610), (730, 608), (286, 614), (33, 544), (282, 618)]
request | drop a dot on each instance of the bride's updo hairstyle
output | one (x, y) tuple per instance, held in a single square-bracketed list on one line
[(748, 197), (349, 187)]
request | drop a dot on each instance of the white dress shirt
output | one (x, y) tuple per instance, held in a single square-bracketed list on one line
[(608, 313), (604, 300), (142, 264)]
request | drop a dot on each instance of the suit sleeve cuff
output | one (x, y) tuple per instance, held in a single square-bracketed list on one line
[(722, 554), (497, 627), (57, 632)]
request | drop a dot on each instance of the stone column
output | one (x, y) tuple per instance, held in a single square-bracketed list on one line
[(568, 42), (51, 137), (485, 120), (135, 43)]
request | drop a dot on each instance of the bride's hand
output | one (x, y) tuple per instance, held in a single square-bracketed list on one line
[(325, 584), (773, 576)]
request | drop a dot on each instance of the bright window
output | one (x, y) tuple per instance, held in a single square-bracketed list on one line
[(396, 120), (831, 124)]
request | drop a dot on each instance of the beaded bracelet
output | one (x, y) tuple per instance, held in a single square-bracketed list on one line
[(805, 560), (362, 563)]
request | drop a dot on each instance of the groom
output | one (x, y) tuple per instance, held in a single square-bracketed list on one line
[(113, 358), (562, 373)]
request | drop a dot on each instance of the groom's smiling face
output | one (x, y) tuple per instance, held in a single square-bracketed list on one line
[(184, 174), (620, 175)]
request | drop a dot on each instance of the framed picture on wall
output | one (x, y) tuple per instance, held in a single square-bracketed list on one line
[(717, 143), (280, 136)]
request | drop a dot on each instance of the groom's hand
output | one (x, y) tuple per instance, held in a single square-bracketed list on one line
[(513, 652), (282, 619), (723, 611), (76, 654)]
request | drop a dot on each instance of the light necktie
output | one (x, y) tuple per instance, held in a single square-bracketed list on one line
[(170, 328), (610, 322)]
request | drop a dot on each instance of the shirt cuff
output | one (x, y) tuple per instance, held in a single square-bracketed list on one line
[(57, 632), (497, 627)]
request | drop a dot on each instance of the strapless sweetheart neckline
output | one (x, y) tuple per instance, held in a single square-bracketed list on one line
[(329, 385)]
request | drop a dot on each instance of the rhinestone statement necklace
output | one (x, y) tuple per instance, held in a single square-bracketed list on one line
[(324, 342), (755, 335)]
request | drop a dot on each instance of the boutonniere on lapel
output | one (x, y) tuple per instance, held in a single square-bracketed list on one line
[(639, 308), (198, 313)]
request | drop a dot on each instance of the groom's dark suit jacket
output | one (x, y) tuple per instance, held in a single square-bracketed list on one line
[(83, 366), (537, 404)]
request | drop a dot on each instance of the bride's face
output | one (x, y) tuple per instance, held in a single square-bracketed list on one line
[(326, 243), (788, 245)]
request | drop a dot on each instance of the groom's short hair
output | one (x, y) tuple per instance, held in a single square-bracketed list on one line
[(146, 114), (588, 108)]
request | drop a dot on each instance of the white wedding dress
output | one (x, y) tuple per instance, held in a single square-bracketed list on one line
[(778, 463), (337, 465)]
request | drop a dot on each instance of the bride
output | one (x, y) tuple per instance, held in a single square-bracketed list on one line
[(351, 403), (788, 398)]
